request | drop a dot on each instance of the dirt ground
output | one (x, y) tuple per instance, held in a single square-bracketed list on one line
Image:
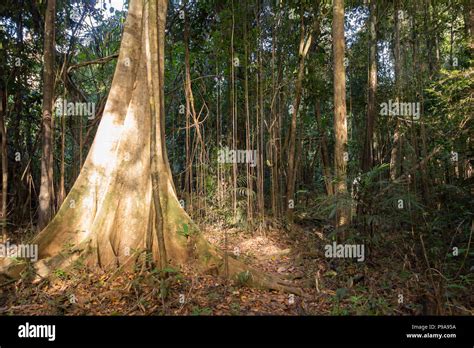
[(385, 284)]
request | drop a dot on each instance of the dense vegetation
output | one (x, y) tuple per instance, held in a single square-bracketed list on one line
[(392, 172)]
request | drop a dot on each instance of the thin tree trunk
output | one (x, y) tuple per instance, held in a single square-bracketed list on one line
[(368, 155), (290, 186), (220, 191), (190, 111), (280, 164), (324, 152), (62, 189), (45, 197), (261, 135), (3, 130), (247, 124), (274, 127), (260, 120), (340, 119), (396, 148), (234, 117)]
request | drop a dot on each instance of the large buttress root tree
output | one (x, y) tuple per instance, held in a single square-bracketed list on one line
[(123, 204)]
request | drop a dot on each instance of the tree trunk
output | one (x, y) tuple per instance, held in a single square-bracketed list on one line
[(340, 120), (155, 16), (260, 128), (324, 152), (3, 133), (62, 189), (234, 118), (395, 153), (272, 145), (106, 216), (290, 185), (368, 156), (190, 111), (247, 124), (46, 188), (260, 123)]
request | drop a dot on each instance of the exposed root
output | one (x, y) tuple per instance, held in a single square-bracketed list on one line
[(250, 276), (237, 270), (11, 269)]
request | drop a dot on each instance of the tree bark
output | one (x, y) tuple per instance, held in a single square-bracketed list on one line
[(395, 153), (46, 188), (155, 16), (3, 130), (368, 156), (305, 44), (62, 171), (247, 123), (340, 119), (324, 152), (234, 116)]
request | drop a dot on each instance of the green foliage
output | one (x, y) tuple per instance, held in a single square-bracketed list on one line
[(201, 311), (185, 231), (61, 274), (243, 277)]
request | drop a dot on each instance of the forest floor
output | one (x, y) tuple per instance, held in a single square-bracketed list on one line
[(382, 285)]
